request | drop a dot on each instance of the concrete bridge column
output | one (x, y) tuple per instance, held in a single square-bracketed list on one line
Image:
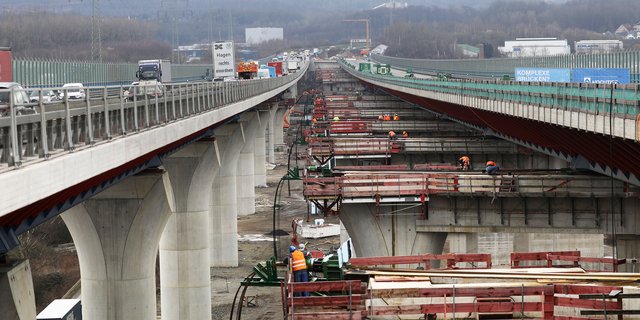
[(185, 277), (271, 147), (246, 169), (388, 234), (278, 124), (116, 233), (224, 204), (260, 159)]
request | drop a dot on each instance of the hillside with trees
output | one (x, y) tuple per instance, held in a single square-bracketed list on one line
[(423, 30)]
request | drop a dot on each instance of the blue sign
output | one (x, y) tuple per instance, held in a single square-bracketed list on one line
[(602, 75), (543, 75)]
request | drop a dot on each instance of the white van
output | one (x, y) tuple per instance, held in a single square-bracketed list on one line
[(75, 91)]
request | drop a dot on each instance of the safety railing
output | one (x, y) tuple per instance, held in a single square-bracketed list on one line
[(34, 130), (619, 99), (402, 184), (498, 67)]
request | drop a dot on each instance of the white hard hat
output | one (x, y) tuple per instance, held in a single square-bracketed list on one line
[(301, 246)]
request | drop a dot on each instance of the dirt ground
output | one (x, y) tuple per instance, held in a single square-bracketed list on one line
[(256, 246)]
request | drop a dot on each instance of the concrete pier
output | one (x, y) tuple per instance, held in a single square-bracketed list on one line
[(116, 234), (390, 233), (184, 247)]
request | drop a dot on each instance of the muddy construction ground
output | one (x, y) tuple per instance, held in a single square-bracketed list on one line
[(256, 246)]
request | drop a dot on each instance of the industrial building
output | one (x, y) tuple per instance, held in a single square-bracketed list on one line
[(535, 47), (259, 35), (598, 46)]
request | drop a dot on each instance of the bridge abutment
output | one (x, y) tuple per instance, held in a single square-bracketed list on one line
[(17, 299), (116, 234), (185, 276), (387, 231)]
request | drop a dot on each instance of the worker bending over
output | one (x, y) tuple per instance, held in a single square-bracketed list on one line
[(392, 135), (405, 134), (492, 167), (464, 162)]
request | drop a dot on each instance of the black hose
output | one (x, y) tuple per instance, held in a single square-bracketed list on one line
[(273, 231), (235, 297)]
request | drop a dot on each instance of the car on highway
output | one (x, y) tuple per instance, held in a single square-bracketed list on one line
[(48, 95), (74, 90), (13, 91)]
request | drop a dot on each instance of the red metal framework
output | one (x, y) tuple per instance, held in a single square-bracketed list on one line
[(452, 259), (549, 257)]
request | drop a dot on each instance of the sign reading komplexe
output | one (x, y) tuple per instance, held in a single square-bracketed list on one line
[(602, 75), (223, 60), (543, 75)]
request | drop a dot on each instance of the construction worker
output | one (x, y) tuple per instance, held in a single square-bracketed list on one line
[(396, 117), (387, 117), (380, 117), (314, 120), (392, 135), (405, 134), (492, 167), (464, 162), (298, 265), (336, 119)]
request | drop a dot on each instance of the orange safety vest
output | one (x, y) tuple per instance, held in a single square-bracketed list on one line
[(297, 261), (490, 163), (387, 118), (396, 118)]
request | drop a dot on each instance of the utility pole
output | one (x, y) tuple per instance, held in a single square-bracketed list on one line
[(96, 31), (174, 11), (366, 24)]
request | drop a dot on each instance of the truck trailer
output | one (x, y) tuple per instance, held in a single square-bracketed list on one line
[(6, 74)]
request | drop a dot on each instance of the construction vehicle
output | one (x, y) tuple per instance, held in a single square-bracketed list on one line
[(247, 70)]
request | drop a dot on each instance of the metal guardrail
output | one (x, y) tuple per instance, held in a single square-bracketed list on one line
[(498, 67), (38, 130), (619, 99)]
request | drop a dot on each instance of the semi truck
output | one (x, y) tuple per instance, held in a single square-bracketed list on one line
[(151, 75), (277, 65), (292, 65), (247, 70)]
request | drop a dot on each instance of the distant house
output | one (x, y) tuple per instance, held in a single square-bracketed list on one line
[(624, 30)]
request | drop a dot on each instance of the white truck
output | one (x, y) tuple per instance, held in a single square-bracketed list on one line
[(151, 75), (292, 65)]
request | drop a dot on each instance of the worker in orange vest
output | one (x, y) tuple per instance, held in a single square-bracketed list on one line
[(387, 117), (464, 162), (298, 265), (396, 117), (392, 135), (405, 134), (492, 167)]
